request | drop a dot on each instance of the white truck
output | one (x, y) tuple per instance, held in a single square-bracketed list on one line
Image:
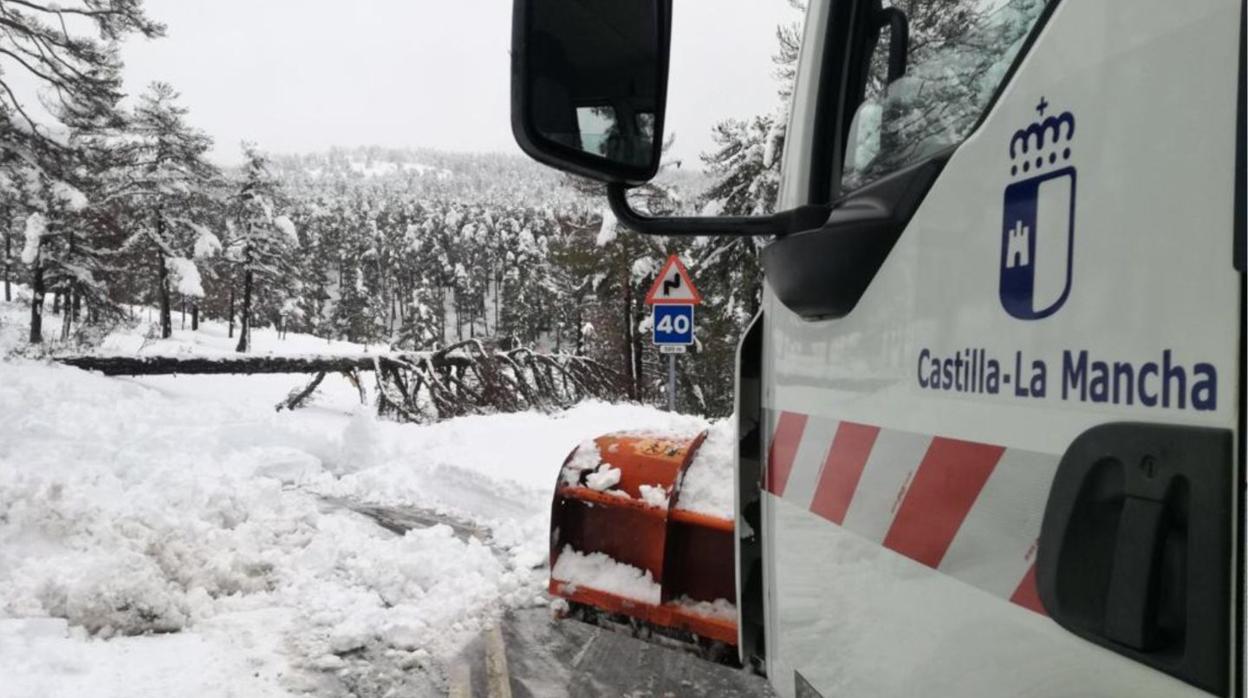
[(991, 415)]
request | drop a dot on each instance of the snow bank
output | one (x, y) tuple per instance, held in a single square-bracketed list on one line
[(173, 535), (708, 483), (127, 510), (46, 657), (597, 571)]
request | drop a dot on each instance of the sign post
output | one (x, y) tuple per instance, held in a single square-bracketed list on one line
[(673, 297)]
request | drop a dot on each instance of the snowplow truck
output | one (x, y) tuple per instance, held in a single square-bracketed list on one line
[(990, 418)]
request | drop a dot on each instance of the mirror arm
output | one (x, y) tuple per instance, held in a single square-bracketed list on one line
[(779, 224), (898, 40)]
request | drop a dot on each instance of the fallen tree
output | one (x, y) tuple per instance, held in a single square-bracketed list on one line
[(470, 377), (188, 365)]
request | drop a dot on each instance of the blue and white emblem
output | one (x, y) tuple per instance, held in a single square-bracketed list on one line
[(1038, 234)]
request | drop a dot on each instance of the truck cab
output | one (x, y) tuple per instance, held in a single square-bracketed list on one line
[(990, 416)]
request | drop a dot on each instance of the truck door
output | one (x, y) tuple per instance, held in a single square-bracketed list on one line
[(1007, 462)]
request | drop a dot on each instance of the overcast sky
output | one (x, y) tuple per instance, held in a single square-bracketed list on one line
[(304, 75)]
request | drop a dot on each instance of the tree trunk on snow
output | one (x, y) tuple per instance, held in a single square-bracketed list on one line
[(56, 303), (8, 251), (580, 324), (630, 366), (162, 291), (244, 319), (231, 309), (67, 316), (166, 317), (36, 303), (639, 368), (194, 316), (77, 296)]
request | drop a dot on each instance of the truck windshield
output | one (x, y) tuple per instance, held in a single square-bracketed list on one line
[(960, 51)]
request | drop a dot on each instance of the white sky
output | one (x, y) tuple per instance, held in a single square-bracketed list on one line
[(304, 75)]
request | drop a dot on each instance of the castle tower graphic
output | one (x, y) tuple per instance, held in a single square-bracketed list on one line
[(1038, 232)]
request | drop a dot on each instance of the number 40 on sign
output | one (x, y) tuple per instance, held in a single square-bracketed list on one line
[(673, 325), (673, 296)]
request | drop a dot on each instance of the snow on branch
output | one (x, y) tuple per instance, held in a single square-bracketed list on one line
[(36, 228)]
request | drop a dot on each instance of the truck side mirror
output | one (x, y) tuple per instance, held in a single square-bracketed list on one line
[(589, 83)]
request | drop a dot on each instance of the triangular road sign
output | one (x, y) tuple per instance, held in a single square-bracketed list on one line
[(673, 286)]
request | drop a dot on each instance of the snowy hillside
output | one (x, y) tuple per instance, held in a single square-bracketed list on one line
[(177, 536)]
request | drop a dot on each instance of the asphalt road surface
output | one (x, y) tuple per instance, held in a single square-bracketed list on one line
[(529, 655)]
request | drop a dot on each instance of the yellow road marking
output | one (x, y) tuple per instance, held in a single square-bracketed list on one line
[(497, 681), (461, 681)]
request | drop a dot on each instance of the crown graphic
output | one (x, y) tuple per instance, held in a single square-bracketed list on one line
[(1043, 142)]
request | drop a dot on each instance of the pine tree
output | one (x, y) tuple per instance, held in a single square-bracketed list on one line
[(260, 240), (170, 190), (79, 73)]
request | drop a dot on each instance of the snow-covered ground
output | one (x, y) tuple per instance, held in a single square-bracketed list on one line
[(177, 536)]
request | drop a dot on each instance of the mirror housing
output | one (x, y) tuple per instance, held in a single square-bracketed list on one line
[(589, 85), (588, 96)]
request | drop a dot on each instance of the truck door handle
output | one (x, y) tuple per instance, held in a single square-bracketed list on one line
[(1130, 601), (1135, 547)]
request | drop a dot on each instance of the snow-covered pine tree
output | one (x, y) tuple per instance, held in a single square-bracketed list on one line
[(57, 249), (745, 173), (622, 267), (79, 261), (170, 189), (77, 71), (260, 240)]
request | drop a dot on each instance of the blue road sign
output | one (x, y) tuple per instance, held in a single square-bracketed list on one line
[(673, 324)]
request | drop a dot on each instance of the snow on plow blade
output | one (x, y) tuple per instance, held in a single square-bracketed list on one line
[(622, 544)]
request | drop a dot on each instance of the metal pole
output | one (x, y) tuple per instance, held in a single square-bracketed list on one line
[(671, 382)]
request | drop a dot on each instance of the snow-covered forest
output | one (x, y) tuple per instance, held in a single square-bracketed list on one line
[(113, 213)]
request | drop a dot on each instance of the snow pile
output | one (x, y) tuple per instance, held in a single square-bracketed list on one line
[(597, 571), (654, 495), (127, 511), (46, 657), (119, 592), (722, 609), (361, 443), (604, 478), (586, 457), (708, 484)]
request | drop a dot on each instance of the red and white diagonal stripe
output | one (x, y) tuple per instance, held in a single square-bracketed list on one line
[(967, 509)]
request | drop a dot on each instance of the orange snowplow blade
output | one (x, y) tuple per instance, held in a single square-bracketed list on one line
[(663, 565)]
